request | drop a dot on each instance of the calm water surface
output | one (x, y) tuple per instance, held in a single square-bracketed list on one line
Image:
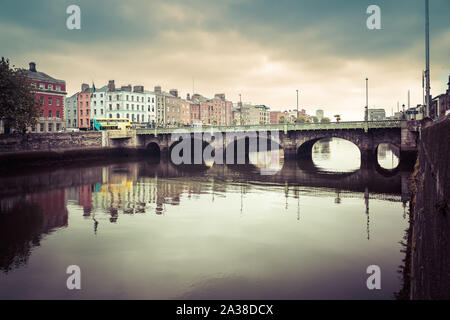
[(151, 230)]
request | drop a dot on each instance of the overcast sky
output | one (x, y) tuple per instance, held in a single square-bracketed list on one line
[(264, 50)]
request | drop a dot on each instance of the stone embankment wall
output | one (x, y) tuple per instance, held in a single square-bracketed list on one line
[(50, 141), (33, 150), (430, 244)]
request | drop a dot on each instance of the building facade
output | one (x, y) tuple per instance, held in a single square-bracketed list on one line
[(50, 95), (71, 111)]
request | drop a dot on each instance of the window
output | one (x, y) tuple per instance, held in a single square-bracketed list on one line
[(101, 95), (128, 116), (50, 114), (57, 102), (128, 106), (41, 113), (41, 127), (110, 106), (33, 85), (81, 122), (50, 127), (118, 107), (101, 111), (153, 100), (50, 87), (95, 103), (132, 107), (41, 86), (75, 113), (41, 100), (118, 116), (58, 114), (110, 98), (95, 112), (87, 112), (58, 126), (87, 103), (110, 115), (137, 118)]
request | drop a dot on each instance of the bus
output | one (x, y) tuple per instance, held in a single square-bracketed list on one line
[(109, 124)]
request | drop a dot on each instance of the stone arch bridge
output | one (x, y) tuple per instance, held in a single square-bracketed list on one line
[(296, 140)]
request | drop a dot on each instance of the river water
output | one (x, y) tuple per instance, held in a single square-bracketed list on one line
[(151, 230)]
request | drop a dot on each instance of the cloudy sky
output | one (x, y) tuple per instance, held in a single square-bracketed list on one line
[(264, 50)]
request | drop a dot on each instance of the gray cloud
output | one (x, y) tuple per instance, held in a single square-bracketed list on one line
[(262, 49)]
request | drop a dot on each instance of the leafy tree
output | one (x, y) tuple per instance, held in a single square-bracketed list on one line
[(325, 120), (235, 121), (282, 119), (301, 119), (315, 119), (338, 117), (18, 107), (214, 122)]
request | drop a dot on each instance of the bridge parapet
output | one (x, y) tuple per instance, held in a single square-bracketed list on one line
[(347, 125)]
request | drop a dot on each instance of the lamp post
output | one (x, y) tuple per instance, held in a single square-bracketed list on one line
[(427, 59), (297, 107), (240, 109), (366, 113)]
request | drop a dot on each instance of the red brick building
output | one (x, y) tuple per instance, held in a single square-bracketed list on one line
[(49, 93)]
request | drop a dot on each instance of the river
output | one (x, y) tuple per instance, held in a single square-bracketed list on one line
[(151, 230)]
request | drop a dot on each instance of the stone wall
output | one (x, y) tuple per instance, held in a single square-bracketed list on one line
[(50, 141), (430, 262)]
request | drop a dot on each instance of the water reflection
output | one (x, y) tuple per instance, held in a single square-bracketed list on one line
[(155, 230), (336, 155), (388, 156)]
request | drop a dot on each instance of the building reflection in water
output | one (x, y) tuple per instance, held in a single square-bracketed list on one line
[(25, 220)]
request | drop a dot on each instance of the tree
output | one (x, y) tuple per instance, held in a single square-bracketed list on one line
[(338, 117), (18, 107), (300, 119), (282, 119), (325, 120), (315, 119), (214, 122), (235, 121)]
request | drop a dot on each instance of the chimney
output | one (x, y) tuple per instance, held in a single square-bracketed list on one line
[(32, 67), (111, 85), (138, 89), (158, 89), (126, 88), (84, 87), (174, 92)]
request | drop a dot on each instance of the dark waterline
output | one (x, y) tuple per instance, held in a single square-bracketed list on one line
[(151, 230)]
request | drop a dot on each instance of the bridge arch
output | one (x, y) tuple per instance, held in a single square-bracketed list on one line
[(263, 143)]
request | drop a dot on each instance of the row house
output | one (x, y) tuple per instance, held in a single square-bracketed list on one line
[(50, 95), (71, 111)]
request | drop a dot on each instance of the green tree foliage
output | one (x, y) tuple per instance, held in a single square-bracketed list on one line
[(282, 119), (325, 120), (314, 119), (301, 119), (18, 106)]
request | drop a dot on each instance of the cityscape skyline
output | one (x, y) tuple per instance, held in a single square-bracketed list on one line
[(221, 47)]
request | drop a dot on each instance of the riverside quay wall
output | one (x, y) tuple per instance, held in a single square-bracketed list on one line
[(29, 150), (430, 256)]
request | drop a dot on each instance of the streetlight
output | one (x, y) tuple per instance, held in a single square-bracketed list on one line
[(366, 113), (240, 109), (297, 106)]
